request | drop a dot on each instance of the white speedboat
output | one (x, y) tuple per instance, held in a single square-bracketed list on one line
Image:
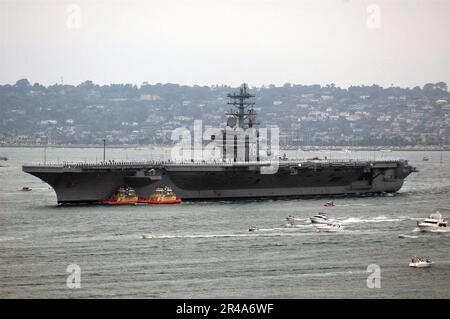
[(420, 262), (148, 236), (252, 228), (434, 222), (320, 218), (328, 228)]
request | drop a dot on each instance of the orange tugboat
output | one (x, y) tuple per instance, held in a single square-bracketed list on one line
[(162, 195), (123, 196)]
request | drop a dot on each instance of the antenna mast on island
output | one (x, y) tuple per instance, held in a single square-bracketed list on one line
[(244, 107)]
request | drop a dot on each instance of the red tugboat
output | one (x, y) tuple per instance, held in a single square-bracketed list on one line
[(123, 196), (162, 195)]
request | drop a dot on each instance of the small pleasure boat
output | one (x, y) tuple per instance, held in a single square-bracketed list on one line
[(418, 262), (320, 218), (434, 222), (252, 228), (148, 236), (25, 189), (328, 228), (329, 204)]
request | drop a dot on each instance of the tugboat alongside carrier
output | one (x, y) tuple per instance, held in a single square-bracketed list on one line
[(123, 196), (162, 195), (127, 195), (240, 172)]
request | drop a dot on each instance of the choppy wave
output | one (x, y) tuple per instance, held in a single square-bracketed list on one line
[(355, 205), (419, 192), (11, 238), (333, 273)]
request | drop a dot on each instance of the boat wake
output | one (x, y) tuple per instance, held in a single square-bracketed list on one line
[(300, 219), (264, 232), (407, 236), (202, 236), (379, 219), (289, 226), (440, 230)]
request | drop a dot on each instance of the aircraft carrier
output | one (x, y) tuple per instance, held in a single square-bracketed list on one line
[(245, 169)]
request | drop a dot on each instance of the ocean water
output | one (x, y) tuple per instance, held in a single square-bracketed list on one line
[(204, 249)]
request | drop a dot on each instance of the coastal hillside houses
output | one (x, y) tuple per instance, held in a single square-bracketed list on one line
[(147, 114)]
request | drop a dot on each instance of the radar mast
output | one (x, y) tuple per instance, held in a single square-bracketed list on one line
[(245, 110)]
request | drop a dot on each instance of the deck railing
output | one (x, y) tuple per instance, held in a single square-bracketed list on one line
[(169, 163)]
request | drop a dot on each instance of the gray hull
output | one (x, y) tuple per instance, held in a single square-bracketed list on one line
[(95, 182)]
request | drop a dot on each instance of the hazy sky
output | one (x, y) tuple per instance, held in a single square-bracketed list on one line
[(261, 42)]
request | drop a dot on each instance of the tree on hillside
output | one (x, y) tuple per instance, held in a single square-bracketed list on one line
[(22, 84)]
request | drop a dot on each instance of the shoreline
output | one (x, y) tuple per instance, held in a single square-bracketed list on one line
[(286, 147)]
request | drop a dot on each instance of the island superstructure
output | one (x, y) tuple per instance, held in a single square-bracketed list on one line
[(239, 172)]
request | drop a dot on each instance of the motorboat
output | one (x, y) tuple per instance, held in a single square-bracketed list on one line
[(425, 159), (148, 236), (434, 222), (25, 189), (328, 228), (252, 228), (320, 218), (418, 262), (329, 204)]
